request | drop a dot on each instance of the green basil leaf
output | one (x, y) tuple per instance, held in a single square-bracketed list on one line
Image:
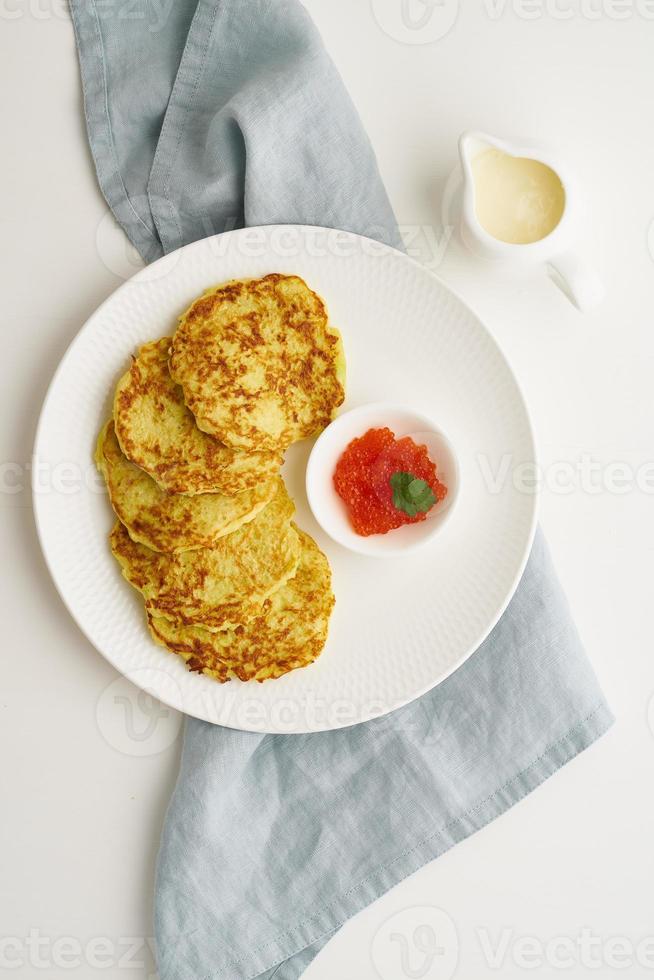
[(411, 495)]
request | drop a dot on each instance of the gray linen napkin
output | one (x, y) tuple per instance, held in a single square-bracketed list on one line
[(204, 116)]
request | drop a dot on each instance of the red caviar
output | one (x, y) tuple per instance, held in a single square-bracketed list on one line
[(363, 479)]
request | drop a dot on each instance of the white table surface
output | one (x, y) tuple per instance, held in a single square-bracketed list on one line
[(566, 876)]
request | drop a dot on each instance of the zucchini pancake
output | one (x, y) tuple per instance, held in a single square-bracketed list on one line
[(221, 586), (156, 431), (167, 521), (258, 363), (192, 458), (289, 633)]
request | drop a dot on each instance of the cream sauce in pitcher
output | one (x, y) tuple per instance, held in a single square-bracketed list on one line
[(517, 199), (521, 205)]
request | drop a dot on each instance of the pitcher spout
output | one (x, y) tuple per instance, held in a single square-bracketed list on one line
[(473, 143)]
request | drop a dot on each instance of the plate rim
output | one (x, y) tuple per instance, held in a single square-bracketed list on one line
[(204, 243)]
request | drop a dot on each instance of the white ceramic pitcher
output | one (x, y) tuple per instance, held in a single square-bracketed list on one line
[(575, 277)]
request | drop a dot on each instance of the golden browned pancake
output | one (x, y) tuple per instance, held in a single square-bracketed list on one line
[(166, 521), (221, 586), (258, 363), (290, 632), (156, 431)]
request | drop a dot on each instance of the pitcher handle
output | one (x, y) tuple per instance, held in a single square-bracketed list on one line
[(577, 280)]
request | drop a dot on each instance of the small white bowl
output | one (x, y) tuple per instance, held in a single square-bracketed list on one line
[(330, 510)]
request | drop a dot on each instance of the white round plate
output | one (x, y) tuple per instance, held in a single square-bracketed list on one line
[(400, 626)]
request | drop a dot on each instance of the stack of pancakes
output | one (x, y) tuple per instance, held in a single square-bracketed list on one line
[(191, 458)]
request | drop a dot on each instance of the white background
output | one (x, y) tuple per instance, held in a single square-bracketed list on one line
[(83, 802)]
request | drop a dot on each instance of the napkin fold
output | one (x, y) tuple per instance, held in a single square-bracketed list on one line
[(205, 116)]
